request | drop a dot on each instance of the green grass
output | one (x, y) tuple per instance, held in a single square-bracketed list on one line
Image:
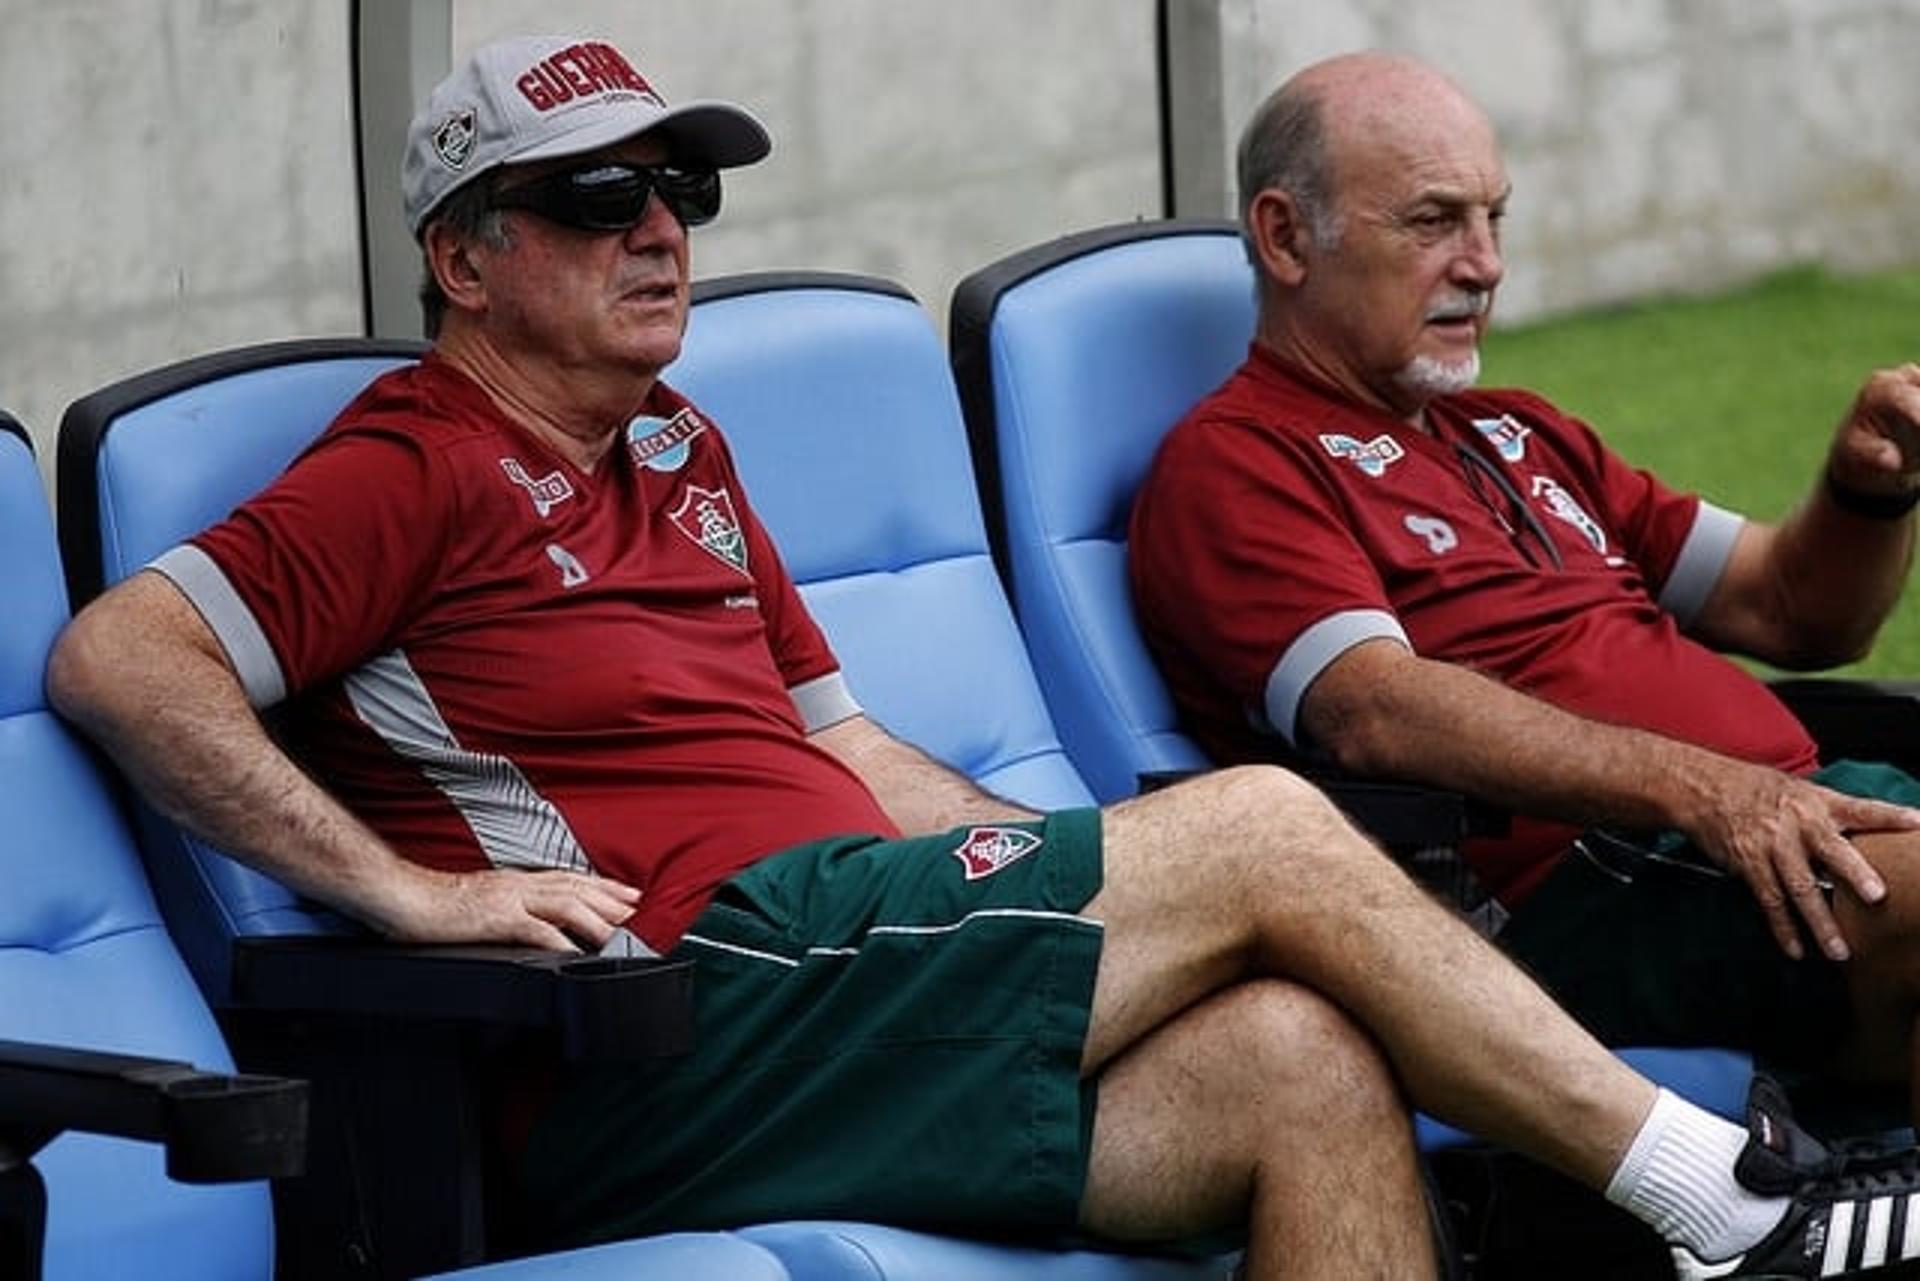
[(1735, 396)]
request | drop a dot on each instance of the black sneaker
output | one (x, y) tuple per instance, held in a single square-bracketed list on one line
[(1851, 1213)]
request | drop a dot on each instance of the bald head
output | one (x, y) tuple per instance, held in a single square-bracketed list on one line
[(1297, 140), (1372, 191)]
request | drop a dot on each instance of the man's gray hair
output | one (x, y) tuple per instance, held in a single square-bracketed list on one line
[(468, 212), (1284, 146)]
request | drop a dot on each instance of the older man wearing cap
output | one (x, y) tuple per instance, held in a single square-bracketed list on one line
[(533, 704)]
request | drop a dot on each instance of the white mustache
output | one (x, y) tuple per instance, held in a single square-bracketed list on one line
[(1462, 306)]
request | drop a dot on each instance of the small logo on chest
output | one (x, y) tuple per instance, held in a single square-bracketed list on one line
[(547, 492), (1371, 456), (572, 572), (1438, 534), (1507, 434), (661, 444), (707, 517), (1561, 505), (987, 850)]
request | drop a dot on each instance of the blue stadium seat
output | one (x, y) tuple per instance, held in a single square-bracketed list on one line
[(135, 475), (1067, 394), (84, 959), (837, 399), (86, 964)]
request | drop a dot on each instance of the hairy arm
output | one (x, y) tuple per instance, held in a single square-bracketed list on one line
[(140, 671), (1379, 709), (918, 793), (1814, 590)]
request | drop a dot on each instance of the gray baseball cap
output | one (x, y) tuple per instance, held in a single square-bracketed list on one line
[(542, 97)]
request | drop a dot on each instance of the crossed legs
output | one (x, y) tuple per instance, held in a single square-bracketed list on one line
[(1269, 986)]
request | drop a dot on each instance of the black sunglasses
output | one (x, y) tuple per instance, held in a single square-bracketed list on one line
[(613, 196)]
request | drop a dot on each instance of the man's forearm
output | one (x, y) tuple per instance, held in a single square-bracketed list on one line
[(1390, 714), (918, 793), (132, 673), (1840, 574)]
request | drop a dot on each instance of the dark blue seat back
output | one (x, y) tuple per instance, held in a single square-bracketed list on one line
[(1074, 359), (84, 958)]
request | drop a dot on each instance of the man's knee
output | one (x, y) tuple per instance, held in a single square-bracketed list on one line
[(1258, 800), (1259, 819), (1306, 1055)]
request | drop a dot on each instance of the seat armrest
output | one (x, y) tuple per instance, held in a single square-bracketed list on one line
[(1401, 816), (1405, 816), (215, 1127), (1861, 720), (624, 1008)]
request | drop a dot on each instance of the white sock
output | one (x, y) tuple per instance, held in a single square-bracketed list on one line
[(1677, 1178)]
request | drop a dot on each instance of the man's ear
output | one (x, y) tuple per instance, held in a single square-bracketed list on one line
[(451, 260), (1281, 237)]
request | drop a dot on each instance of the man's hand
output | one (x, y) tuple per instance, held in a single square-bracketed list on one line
[(1780, 834), (1877, 448), (559, 911)]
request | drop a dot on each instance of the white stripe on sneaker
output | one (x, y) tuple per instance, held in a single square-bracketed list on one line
[(1839, 1237), (1688, 1268), (1873, 1245)]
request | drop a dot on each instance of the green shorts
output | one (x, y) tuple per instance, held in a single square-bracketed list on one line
[(885, 1030), (1646, 943)]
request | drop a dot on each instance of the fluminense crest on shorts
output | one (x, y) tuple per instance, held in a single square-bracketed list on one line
[(988, 849), (1371, 456)]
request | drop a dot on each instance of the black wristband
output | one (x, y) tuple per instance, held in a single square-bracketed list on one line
[(1872, 506)]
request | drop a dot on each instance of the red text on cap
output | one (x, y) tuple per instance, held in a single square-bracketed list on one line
[(580, 71)]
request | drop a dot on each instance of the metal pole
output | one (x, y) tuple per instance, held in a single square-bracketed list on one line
[(401, 49)]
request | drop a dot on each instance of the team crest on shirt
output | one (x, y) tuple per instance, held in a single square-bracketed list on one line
[(1561, 504), (1372, 457), (707, 517), (661, 444), (547, 492), (986, 850), (1506, 434)]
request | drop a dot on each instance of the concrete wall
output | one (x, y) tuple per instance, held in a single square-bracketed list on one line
[(1654, 145), (177, 177), (912, 140), (180, 177)]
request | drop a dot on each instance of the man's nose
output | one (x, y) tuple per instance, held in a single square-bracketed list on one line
[(657, 223), (1479, 263)]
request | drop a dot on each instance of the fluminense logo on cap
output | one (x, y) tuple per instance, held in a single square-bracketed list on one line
[(581, 71), (453, 140)]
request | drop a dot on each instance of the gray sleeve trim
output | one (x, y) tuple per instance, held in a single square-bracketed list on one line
[(1702, 559), (1311, 652), (206, 585), (823, 701)]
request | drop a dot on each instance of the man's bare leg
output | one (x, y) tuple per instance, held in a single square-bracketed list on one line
[(1251, 873), (1262, 1106), (1884, 975)]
